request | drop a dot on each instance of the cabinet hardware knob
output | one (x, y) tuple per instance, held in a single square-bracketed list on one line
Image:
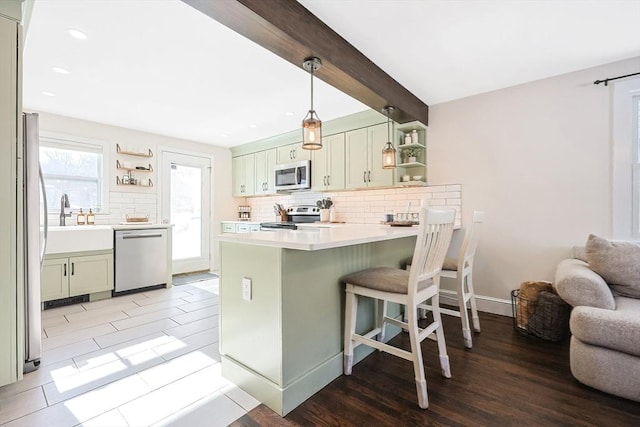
[(364, 176), (73, 265), (65, 268)]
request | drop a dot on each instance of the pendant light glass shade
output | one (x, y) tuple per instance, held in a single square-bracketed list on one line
[(311, 125), (389, 151)]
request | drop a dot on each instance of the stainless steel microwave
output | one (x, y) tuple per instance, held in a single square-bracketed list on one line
[(293, 176)]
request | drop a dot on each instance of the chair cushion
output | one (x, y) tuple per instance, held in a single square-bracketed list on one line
[(386, 279), (450, 264), (617, 262), (615, 329)]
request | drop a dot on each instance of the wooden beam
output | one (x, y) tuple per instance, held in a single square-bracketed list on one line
[(289, 30)]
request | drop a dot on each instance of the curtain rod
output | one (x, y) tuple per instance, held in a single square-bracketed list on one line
[(606, 81)]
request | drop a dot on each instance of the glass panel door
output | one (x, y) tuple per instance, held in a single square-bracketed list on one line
[(185, 205)]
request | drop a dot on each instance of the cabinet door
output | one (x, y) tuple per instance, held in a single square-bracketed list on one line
[(249, 174), (319, 159), (284, 154), (300, 153), (335, 161), (54, 279), (261, 172), (265, 177), (356, 158), (90, 274), (377, 139), (238, 176), (271, 176)]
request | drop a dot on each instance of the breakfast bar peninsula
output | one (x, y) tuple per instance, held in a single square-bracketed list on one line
[(282, 305)]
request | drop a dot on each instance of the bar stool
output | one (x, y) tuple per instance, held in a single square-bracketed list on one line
[(461, 269), (410, 288)]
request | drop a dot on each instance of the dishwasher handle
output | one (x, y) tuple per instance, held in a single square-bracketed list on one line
[(140, 236)]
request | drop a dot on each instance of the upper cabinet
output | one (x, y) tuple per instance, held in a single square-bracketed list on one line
[(243, 175), (327, 164), (265, 164), (363, 158), (292, 153)]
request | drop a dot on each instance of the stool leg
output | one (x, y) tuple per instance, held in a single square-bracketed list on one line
[(472, 300), (416, 352), (464, 314), (442, 345), (350, 315), (380, 323)]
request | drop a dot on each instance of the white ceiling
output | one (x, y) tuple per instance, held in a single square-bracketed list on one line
[(161, 66)]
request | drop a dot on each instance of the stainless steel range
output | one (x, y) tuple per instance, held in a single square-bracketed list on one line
[(295, 214)]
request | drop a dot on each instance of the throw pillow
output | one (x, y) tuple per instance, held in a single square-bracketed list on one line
[(617, 262)]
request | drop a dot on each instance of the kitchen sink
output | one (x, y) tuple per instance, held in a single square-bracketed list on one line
[(79, 238)]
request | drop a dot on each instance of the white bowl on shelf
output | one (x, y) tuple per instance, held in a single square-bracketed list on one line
[(417, 177)]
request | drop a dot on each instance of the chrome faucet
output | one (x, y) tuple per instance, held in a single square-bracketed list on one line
[(64, 203)]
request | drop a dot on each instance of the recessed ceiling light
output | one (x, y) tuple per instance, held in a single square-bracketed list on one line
[(253, 126), (60, 70), (288, 113), (47, 93), (77, 34)]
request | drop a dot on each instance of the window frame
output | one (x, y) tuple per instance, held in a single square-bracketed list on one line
[(71, 142), (625, 179)]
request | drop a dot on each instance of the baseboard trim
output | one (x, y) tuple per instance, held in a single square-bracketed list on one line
[(484, 303)]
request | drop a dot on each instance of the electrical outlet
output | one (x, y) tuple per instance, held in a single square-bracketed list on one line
[(246, 289)]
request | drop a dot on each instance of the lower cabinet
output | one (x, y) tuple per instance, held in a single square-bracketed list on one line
[(67, 276)]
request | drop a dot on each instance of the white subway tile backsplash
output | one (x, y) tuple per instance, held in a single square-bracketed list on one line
[(365, 206)]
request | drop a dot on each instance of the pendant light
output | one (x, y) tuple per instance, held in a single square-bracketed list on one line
[(388, 152), (311, 125)]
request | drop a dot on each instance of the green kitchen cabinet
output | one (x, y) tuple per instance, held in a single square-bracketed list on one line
[(67, 276), (363, 158), (11, 243), (244, 175), (265, 162), (328, 164), (292, 153)]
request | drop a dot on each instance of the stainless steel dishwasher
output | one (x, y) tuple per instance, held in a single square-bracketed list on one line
[(141, 258)]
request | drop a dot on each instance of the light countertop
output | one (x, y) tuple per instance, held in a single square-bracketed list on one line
[(318, 237), (139, 226)]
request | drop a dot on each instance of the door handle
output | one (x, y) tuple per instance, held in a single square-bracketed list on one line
[(73, 267), (291, 154), (324, 180), (328, 179), (364, 176), (369, 176), (135, 236), (294, 153), (65, 269)]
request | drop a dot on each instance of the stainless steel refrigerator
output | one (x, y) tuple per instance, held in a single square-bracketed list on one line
[(34, 215)]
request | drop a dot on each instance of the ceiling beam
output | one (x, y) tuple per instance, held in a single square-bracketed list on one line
[(289, 30)]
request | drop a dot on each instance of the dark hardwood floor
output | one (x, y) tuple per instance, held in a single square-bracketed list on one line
[(506, 379)]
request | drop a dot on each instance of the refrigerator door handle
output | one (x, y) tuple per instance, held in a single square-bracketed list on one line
[(46, 219)]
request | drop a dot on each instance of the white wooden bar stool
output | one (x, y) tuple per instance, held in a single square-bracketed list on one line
[(410, 288), (461, 269)]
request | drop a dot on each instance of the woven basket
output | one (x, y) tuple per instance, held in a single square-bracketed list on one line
[(547, 317)]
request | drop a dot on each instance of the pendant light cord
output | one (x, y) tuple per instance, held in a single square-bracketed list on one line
[(312, 67)]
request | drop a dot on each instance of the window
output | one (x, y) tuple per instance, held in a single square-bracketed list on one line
[(76, 169), (636, 167), (626, 160)]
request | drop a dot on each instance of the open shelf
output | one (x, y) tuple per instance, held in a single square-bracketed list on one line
[(148, 153), (134, 169), (120, 182), (411, 165), (417, 145)]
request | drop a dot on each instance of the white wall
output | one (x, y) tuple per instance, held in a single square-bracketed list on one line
[(123, 199), (537, 159)]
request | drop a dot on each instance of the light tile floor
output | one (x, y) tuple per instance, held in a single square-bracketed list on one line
[(145, 359)]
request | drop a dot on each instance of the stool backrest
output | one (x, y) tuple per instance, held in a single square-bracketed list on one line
[(470, 244), (434, 237)]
